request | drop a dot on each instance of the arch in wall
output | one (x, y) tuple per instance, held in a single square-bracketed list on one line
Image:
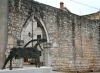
[(37, 19), (47, 59)]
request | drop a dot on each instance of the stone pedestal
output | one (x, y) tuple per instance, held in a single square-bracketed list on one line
[(28, 70)]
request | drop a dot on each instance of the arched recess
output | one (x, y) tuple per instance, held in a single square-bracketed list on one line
[(37, 19), (44, 29)]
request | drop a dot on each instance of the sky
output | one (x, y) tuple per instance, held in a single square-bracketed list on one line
[(91, 6)]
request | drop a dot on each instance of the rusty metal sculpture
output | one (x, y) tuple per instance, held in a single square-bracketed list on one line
[(25, 52)]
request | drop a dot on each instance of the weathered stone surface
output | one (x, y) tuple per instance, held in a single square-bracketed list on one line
[(3, 29), (78, 37)]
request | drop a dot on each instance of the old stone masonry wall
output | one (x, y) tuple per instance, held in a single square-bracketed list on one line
[(75, 40)]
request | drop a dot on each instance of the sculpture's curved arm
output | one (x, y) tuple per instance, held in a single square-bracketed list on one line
[(40, 47), (38, 41), (30, 42)]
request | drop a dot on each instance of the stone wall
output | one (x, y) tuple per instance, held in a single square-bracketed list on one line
[(3, 29), (77, 37)]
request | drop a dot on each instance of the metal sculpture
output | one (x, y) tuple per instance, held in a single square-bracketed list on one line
[(25, 52)]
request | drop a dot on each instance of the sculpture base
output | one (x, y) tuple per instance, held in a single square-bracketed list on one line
[(28, 70)]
